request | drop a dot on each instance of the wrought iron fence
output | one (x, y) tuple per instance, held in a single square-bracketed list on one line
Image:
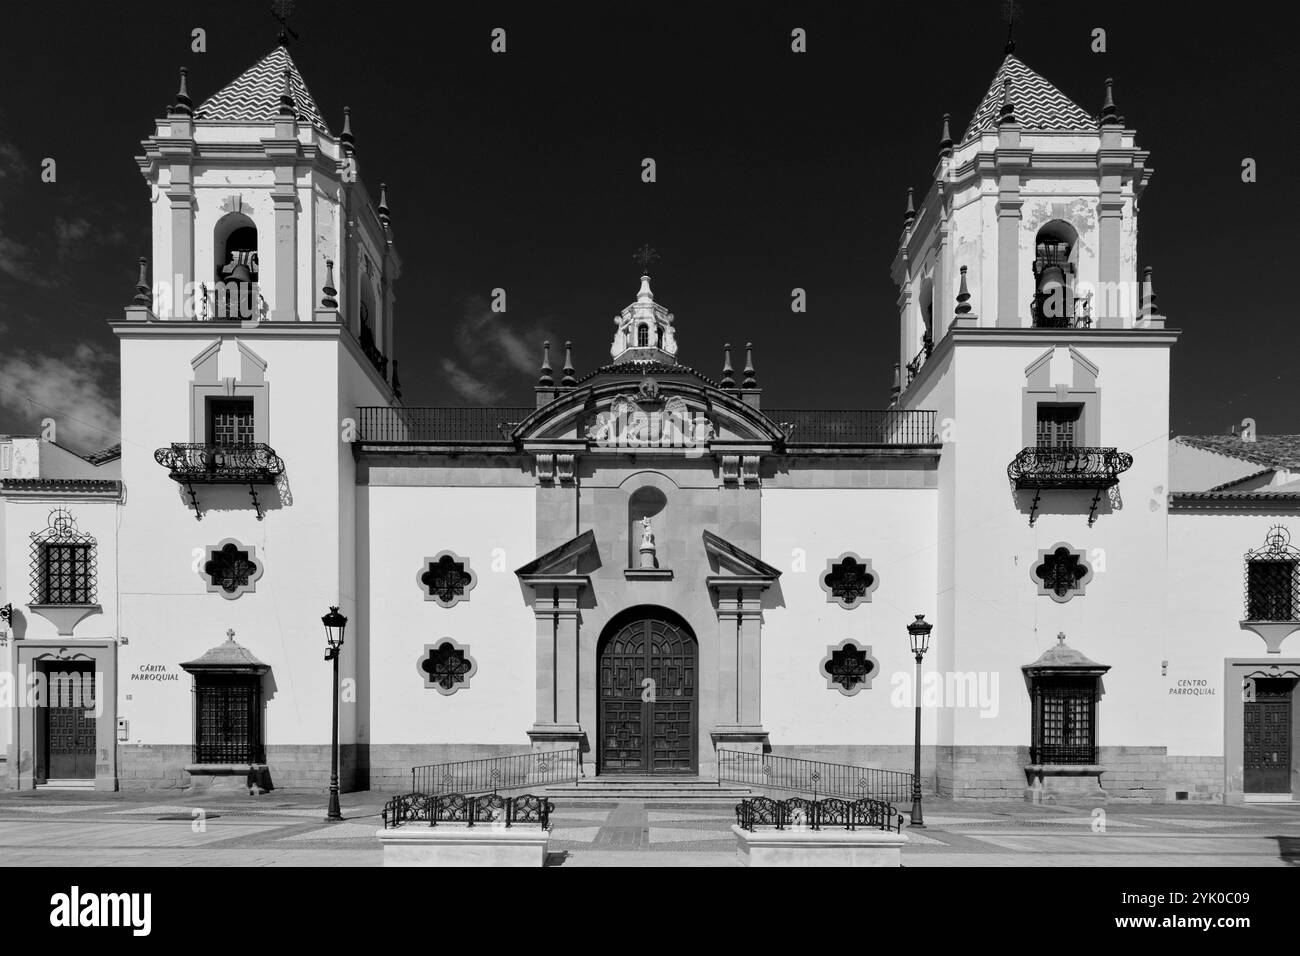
[(798, 813), (768, 771), (381, 424), (1068, 467), (514, 772), (492, 809), (196, 463), (890, 426)]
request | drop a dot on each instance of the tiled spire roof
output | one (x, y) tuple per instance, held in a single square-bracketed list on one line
[(1039, 105), (255, 94)]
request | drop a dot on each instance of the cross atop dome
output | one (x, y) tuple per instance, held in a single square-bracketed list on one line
[(644, 329)]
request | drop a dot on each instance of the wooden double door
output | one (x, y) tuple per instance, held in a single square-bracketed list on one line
[(1267, 722), (648, 706), (69, 724)]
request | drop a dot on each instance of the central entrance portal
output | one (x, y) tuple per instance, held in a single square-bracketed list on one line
[(648, 708)]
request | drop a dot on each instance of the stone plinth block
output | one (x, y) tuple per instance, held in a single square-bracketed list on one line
[(771, 847), (451, 844)]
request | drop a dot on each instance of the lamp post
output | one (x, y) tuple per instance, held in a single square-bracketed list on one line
[(335, 624), (919, 634)]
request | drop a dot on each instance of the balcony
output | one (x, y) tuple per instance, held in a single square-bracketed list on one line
[(377, 358), (1095, 469), (193, 464)]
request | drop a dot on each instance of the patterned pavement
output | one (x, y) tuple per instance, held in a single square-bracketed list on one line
[(99, 829)]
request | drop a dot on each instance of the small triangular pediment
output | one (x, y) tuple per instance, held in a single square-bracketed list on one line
[(730, 560), (574, 557)]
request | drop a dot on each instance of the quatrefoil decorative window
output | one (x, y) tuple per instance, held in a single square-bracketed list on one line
[(849, 667), (1061, 572), (446, 578), (849, 581), (446, 666), (231, 569)]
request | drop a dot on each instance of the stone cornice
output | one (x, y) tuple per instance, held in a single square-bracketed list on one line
[(19, 489)]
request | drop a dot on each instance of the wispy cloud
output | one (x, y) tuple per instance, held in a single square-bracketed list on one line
[(470, 386), (76, 391), (492, 346)]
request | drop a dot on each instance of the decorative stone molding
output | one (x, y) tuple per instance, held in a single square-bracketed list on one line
[(1061, 572), (749, 469), (565, 465), (231, 569), (446, 666), (446, 578), (849, 581), (731, 470), (546, 469), (849, 667)]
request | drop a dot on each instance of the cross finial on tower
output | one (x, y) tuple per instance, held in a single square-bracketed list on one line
[(282, 10), (645, 255), (1009, 10), (230, 633), (1060, 637)]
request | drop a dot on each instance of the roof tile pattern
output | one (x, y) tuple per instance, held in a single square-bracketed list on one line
[(255, 94), (1039, 105), (1269, 451)]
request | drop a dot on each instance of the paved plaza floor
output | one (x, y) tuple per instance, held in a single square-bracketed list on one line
[(74, 828)]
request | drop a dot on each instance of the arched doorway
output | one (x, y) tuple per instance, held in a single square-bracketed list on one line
[(647, 706)]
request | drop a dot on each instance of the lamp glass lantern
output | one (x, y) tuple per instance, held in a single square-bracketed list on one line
[(335, 624), (919, 632)]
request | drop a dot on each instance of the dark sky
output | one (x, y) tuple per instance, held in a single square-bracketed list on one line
[(775, 170)]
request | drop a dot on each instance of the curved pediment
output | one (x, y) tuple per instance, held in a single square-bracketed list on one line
[(628, 409)]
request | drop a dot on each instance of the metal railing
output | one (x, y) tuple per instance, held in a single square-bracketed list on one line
[(768, 771), (1068, 467), (798, 814), (888, 426), (492, 809), (414, 424), (515, 772), (914, 366), (198, 463)]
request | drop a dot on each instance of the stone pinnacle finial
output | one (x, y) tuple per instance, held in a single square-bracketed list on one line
[(1149, 306), (750, 379), (143, 294), (728, 376), (1008, 112), (328, 301), (184, 105), (546, 378), (945, 139), (286, 94), (1109, 114), (345, 137), (568, 381), (963, 295), (909, 215), (383, 204)]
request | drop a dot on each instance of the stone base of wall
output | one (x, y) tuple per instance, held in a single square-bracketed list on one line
[(1139, 774), (288, 767)]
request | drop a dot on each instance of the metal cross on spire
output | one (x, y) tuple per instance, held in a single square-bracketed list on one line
[(282, 10), (1010, 8), (645, 255)]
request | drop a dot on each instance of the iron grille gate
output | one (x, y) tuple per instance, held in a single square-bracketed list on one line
[(229, 721), (1065, 727)]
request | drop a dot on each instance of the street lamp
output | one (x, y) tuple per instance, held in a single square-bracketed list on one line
[(335, 624), (919, 633)]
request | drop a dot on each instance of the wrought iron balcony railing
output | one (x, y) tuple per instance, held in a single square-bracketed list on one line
[(191, 463), (1068, 467), (1095, 469), (914, 366), (377, 358)]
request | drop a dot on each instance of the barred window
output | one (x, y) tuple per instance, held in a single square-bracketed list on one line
[(229, 725), (63, 560), (66, 577), (1065, 720), (230, 421), (1273, 579)]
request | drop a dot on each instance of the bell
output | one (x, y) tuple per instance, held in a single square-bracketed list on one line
[(240, 273)]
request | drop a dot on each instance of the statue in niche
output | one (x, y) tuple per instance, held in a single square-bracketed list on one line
[(648, 559)]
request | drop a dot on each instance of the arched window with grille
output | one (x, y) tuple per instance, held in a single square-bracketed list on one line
[(1273, 579), (642, 336)]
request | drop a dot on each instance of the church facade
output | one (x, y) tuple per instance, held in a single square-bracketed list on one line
[(650, 564)]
